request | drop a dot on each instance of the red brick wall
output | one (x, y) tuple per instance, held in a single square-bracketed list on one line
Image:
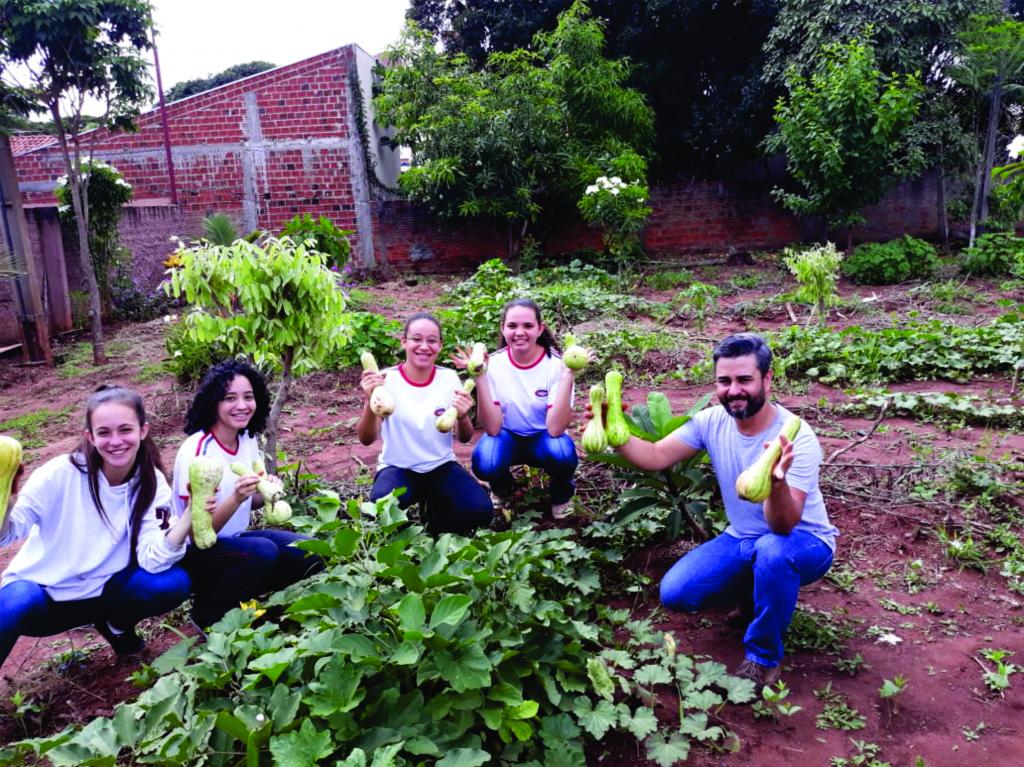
[(261, 149)]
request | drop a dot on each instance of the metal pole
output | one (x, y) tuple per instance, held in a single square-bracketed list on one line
[(163, 123)]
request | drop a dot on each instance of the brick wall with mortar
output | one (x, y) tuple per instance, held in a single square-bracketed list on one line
[(261, 149)]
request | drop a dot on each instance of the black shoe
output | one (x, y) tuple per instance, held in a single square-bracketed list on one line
[(125, 643)]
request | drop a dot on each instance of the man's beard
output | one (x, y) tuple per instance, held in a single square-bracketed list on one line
[(753, 407)]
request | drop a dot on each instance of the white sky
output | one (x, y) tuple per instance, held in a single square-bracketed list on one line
[(199, 38)]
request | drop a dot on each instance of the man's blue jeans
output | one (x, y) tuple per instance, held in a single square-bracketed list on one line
[(725, 570), (128, 597), (493, 457)]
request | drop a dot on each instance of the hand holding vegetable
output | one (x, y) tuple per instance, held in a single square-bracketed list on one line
[(381, 401), (755, 483), (472, 359), (461, 404), (276, 509)]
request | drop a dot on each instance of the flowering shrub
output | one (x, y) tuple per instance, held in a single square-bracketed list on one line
[(106, 192), (618, 208)]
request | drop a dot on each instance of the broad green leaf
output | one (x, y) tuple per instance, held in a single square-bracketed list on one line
[(652, 674), (273, 664), (464, 757), (666, 752), (470, 671), (406, 654), (596, 720), (301, 748), (312, 603), (525, 710), (639, 723), (701, 700), (411, 613), (600, 679), (660, 412), (450, 610)]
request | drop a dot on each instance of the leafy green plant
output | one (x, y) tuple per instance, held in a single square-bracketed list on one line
[(698, 299), (995, 254), (190, 357), (890, 691), (683, 489), (773, 703), (277, 303), (837, 713), (890, 262), (865, 756), (963, 550), (817, 631), (219, 229), (844, 577), (669, 280), (370, 332), (849, 665), (459, 650), (816, 270), (619, 208), (950, 409), (997, 678), (915, 352), (321, 235)]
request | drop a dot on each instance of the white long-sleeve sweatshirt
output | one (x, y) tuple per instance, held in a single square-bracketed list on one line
[(69, 549)]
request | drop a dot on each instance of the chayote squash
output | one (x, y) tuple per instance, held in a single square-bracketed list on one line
[(594, 438), (575, 356), (477, 363), (204, 475), (382, 402), (755, 483), (446, 421), (10, 460), (617, 429)]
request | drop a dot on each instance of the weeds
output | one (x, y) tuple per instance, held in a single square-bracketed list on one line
[(837, 713)]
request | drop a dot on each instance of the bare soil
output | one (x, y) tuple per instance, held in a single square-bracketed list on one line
[(946, 716)]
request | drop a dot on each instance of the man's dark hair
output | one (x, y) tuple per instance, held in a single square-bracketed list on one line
[(742, 344)]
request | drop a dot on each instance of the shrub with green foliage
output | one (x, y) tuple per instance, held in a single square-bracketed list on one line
[(448, 651), (190, 357), (327, 238), (995, 254), (888, 263), (816, 270), (371, 332)]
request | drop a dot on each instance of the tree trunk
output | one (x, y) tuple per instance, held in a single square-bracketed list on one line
[(79, 201), (980, 211), (941, 203), (274, 418)]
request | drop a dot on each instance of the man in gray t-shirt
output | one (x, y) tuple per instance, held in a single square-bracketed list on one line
[(770, 549)]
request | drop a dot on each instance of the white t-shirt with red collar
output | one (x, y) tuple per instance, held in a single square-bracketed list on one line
[(411, 441), (205, 443), (524, 394)]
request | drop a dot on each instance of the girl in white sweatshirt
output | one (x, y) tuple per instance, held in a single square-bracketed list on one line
[(99, 546)]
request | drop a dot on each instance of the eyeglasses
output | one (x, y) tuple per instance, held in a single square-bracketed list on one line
[(417, 340)]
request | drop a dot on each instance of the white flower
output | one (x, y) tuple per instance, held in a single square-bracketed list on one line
[(63, 208), (177, 353), (1015, 147), (615, 190), (167, 318), (956, 544), (616, 180), (260, 718), (592, 189), (641, 199), (602, 180), (889, 639)]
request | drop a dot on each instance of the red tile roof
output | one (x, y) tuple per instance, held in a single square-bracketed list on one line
[(26, 143)]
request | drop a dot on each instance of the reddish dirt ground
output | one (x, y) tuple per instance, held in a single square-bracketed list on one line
[(946, 716)]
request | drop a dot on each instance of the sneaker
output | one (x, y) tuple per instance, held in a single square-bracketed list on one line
[(762, 676), (125, 643), (560, 511)]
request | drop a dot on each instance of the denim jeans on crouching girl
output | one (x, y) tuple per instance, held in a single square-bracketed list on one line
[(128, 597), (493, 458), (726, 570)]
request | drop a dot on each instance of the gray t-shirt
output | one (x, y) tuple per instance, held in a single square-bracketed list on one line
[(731, 452)]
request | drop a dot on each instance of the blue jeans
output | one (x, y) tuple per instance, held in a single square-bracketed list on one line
[(244, 566), (451, 500), (128, 597), (493, 458), (725, 570)]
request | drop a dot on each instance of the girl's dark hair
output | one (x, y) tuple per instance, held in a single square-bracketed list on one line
[(202, 413), (147, 462), (421, 316), (545, 339)]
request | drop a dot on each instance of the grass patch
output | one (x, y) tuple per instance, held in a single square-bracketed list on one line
[(26, 428), (152, 371), (76, 360)]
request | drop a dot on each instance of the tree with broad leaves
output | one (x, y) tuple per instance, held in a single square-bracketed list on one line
[(66, 52), (843, 131), (518, 141)]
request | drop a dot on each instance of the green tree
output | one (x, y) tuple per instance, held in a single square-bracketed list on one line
[(698, 63), (187, 88), (277, 303), (107, 192), (73, 50), (517, 141), (843, 131), (991, 67)]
